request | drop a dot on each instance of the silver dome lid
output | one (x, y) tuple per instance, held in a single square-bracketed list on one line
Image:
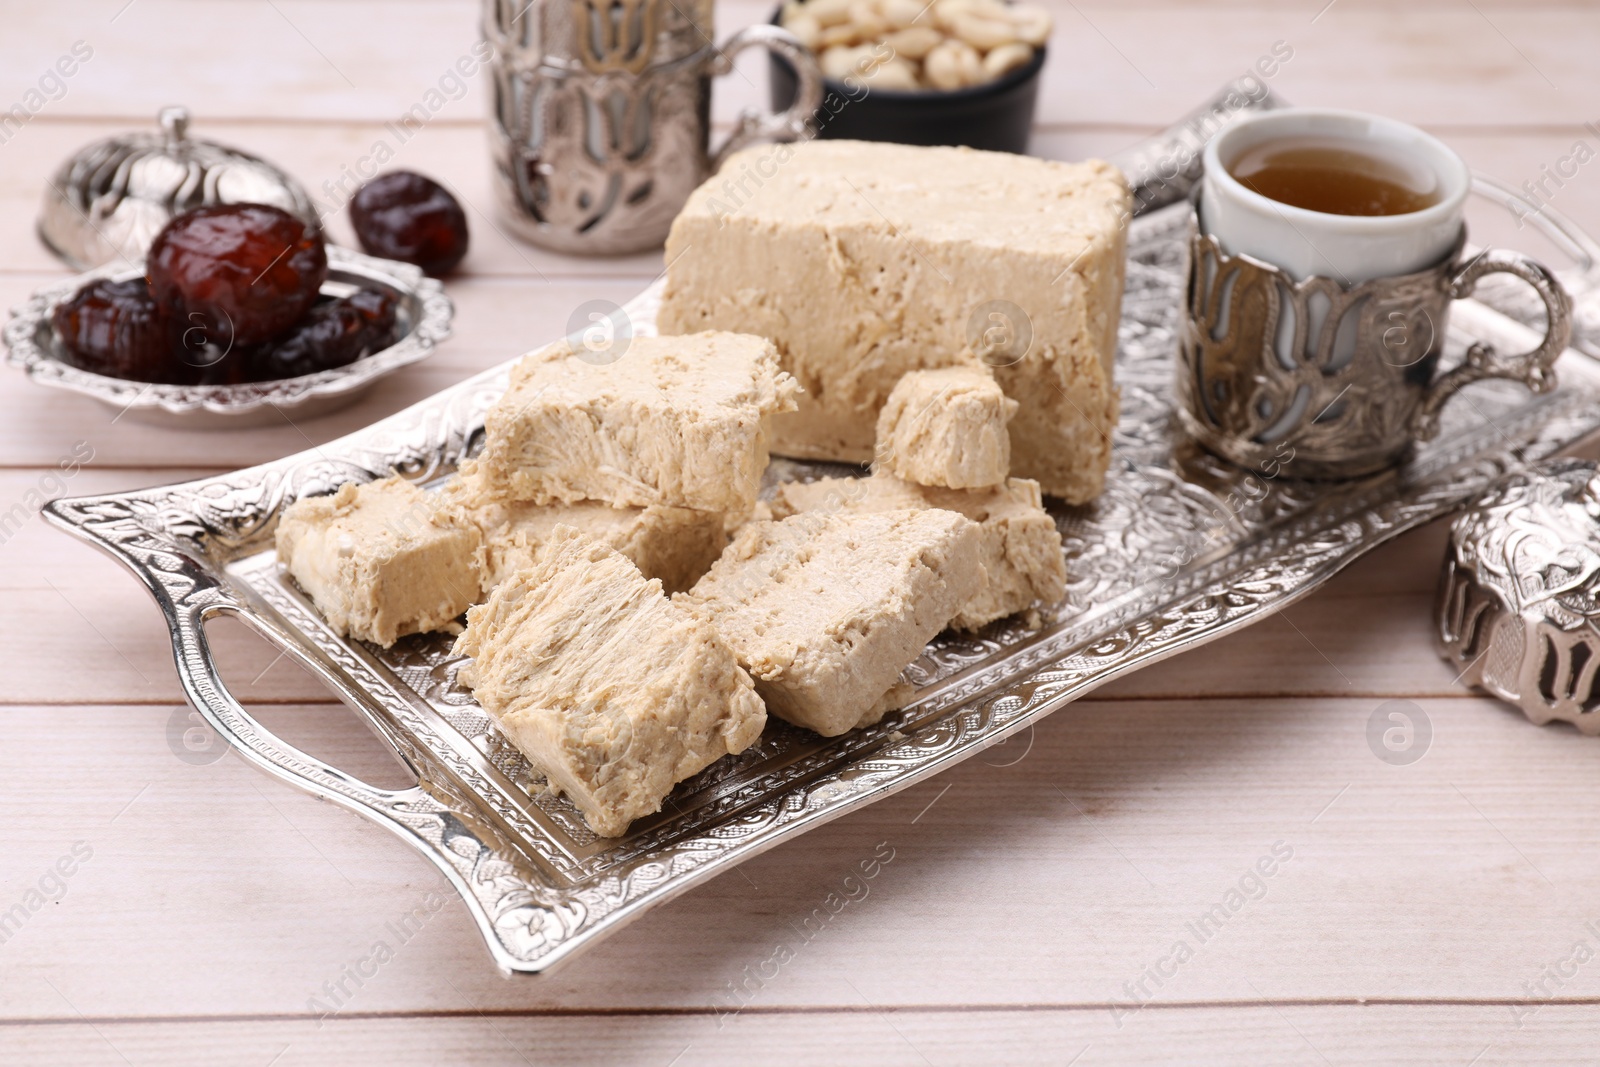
[(1518, 611), (110, 198)]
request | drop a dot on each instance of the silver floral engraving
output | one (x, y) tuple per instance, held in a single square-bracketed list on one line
[(1181, 549)]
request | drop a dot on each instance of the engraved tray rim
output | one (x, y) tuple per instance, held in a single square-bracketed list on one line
[(179, 539)]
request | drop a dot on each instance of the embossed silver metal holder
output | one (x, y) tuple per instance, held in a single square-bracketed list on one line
[(1180, 549), (1324, 380), (422, 318), (600, 115), (1518, 611)]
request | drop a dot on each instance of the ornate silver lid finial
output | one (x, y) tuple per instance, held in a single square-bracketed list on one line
[(174, 119)]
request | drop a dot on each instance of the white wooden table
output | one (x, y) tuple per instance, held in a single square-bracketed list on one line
[(1441, 912)]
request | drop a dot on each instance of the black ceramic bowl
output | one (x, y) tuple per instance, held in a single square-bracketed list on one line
[(997, 116)]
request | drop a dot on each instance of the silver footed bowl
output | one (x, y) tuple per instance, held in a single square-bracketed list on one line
[(422, 320)]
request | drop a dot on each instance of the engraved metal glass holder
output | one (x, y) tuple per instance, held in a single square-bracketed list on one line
[(1518, 610), (600, 115), (1316, 379)]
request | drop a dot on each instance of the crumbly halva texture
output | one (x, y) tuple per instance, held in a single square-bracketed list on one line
[(676, 545), (826, 610), (865, 261), (611, 689), (676, 420), (382, 560), (946, 427), (1021, 549)]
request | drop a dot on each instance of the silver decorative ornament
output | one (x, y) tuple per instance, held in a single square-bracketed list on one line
[(108, 201), (1518, 610)]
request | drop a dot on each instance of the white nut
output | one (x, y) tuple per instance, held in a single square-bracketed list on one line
[(902, 13), (839, 62), (1033, 23), (843, 33), (984, 33), (971, 64), (829, 12), (914, 42), (868, 23), (808, 29), (1006, 58), (892, 74), (944, 12), (952, 65), (940, 69)]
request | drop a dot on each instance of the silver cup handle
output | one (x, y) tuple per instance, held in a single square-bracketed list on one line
[(1534, 368), (790, 125)]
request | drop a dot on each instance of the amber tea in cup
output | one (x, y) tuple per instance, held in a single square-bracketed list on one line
[(1336, 194), (1335, 176)]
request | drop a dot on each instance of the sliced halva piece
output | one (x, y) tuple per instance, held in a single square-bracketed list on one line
[(383, 559), (826, 610), (946, 427), (865, 261), (676, 420), (612, 690), (1021, 550), (673, 544)]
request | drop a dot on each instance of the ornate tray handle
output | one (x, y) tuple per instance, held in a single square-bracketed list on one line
[(190, 596)]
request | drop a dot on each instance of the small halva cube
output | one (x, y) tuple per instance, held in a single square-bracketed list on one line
[(382, 560), (611, 689)]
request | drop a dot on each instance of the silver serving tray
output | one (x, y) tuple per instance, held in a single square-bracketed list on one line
[(422, 318), (1179, 550)]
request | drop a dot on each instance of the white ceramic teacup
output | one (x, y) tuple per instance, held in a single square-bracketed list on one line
[(1348, 248)]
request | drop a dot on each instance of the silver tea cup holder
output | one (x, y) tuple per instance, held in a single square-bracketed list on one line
[(1318, 379)]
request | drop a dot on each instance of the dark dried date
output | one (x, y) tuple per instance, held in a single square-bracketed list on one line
[(332, 334), (116, 328), (238, 274), (402, 215)]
